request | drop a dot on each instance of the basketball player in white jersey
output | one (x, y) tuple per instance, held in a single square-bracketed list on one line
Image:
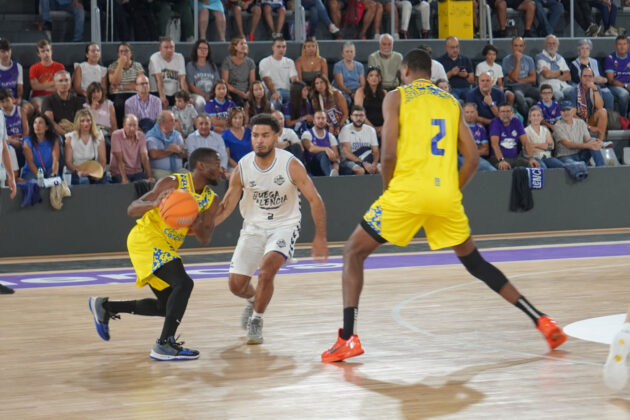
[(270, 181)]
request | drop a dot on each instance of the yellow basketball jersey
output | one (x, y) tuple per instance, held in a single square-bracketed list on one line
[(152, 222), (426, 177), (152, 243)]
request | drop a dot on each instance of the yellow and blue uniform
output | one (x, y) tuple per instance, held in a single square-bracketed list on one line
[(152, 243), (424, 190)]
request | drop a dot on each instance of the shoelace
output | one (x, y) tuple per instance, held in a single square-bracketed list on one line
[(178, 345)]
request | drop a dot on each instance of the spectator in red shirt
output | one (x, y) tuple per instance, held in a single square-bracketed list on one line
[(41, 75)]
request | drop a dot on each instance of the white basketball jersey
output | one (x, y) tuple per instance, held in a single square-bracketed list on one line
[(270, 198)]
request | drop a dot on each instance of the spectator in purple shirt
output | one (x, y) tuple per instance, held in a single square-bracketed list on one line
[(143, 105), (617, 68), (480, 135), (218, 107), (549, 107), (506, 131)]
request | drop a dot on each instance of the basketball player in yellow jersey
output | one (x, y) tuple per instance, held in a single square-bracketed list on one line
[(153, 248), (422, 133)]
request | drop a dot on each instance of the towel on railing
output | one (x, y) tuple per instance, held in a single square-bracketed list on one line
[(521, 196)]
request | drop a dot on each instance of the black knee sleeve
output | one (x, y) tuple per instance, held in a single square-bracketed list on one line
[(484, 271)]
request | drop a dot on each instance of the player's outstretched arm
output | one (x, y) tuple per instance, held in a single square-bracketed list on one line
[(318, 211), (204, 224), (152, 199), (389, 139), (233, 194), (467, 147)]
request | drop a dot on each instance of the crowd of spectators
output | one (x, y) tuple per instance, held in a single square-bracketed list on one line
[(146, 20), (137, 123)]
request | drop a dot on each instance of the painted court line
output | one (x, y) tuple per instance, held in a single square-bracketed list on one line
[(382, 261)]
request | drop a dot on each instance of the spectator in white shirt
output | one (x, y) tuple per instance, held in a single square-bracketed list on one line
[(278, 71), (89, 71), (359, 146), (288, 139), (168, 72)]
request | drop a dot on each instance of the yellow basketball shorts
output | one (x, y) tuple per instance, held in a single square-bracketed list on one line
[(148, 252), (398, 226)]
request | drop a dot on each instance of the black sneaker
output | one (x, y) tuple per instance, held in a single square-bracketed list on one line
[(101, 316), (501, 33), (4, 290), (528, 34)]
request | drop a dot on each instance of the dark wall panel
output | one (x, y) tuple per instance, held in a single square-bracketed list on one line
[(94, 219)]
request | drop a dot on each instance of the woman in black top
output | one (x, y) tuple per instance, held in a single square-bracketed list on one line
[(371, 98)]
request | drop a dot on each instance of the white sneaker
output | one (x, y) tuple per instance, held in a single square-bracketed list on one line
[(611, 32), (377, 36), (334, 172), (247, 313), (606, 144), (254, 331), (332, 28), (615, 369), (397, 37)]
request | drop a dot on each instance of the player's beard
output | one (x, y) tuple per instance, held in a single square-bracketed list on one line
[(264, 154)]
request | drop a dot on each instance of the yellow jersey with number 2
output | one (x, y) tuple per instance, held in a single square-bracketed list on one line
[(424, 190), (425, 176)]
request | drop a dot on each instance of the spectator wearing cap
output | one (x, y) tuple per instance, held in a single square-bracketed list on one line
[(573, 141)]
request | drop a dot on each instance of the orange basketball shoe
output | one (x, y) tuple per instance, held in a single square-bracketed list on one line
[(343, 349), (552, 332)]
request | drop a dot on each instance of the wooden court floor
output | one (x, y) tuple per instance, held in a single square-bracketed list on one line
[(439, 344)]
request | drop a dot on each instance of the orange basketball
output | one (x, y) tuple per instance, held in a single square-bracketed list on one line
[(179, 209)]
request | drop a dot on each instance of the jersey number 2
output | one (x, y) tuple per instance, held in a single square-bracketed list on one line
[(439, 136)]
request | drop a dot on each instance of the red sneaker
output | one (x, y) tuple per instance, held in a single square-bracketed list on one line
[(343, 349), (250, 37), (552, 332)]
